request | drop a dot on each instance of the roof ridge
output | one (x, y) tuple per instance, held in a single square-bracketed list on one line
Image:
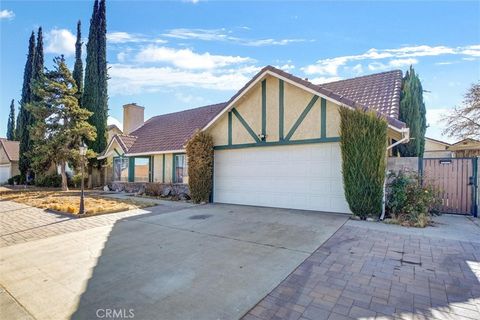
[(185, 110), (364, 76)]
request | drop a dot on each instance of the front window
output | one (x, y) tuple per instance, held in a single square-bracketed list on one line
[(120, 169), (180, 170), (142, 168)]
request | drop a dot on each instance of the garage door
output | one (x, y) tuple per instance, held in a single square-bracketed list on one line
[(304, 177), (4, 173)]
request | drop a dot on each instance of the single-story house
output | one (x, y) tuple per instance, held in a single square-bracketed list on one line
[(466, 148), (9, 155), (276, 141), (437, 149)]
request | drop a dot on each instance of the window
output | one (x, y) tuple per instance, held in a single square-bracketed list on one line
[(142, 169), (180, 168), (120, 169)]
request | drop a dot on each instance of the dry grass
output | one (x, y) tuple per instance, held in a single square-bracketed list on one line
[(69, 201)]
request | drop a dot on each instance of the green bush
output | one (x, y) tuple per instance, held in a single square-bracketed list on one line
[(76, 180), (52, 181), (363, 143), (15, 180), (409, 202), (200, 166)]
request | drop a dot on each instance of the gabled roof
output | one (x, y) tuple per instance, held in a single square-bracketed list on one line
[(12, 149), (438, 141), (170, 132), (112, 127), (380, 91), (329, 94)]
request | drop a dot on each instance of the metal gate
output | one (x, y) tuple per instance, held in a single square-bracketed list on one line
[(457, 182)]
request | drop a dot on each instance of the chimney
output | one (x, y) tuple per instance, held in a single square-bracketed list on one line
[(133, 117)]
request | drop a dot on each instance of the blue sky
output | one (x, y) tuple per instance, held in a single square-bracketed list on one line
[(170, 56)]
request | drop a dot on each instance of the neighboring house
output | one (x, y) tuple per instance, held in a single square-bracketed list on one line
[(437, 149), (9, 155), (112, 130), (466, 148), (276, 140)]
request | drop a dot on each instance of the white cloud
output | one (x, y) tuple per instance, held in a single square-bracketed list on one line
[(187, 59), (7, 14), (189, 99), (119, 37), (396, 63), (320, 80), (399, 57), (128, 79), (60, 41), (111, 120), (225, 35)]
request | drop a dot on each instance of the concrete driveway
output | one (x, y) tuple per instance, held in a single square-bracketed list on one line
[(167, 262)]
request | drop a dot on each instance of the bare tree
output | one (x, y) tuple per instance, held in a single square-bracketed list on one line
[(464, 121)]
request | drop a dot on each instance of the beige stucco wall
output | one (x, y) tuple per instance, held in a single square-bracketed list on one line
[(295, 102), (434, 146), (3, 156)]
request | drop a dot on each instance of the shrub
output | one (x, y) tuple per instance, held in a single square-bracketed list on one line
[(363, 144), (153, 189), (15, 180), (409, 202), (52, 181), (200, 166), (76, 180)]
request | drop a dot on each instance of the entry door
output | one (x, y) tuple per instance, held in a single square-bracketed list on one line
[(455, 179), (304, 177)]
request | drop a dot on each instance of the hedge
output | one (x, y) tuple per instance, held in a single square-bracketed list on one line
[(200, 166), (363, 144)]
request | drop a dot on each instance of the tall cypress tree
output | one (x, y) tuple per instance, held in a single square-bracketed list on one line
[(11, 122), (38, 60), (78, 67), (413, 113), (24, 116), (101, 121)]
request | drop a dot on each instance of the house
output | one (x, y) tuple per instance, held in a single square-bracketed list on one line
[(276, 141), (9, 155), (466, 148), (436, 149), (112, 130)]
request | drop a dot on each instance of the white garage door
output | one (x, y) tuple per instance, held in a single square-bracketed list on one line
[(299, 177), (4, 173)]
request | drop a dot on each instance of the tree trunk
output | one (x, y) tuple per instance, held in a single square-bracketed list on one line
[(64, 176), (90, 176)]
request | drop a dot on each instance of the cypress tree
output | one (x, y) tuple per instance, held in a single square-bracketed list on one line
[(11, 122), (101, 121), (413, 113), (38, 60), (24, 116), (78, 67)]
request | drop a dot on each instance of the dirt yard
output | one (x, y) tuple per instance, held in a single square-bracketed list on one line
[(69, 201)]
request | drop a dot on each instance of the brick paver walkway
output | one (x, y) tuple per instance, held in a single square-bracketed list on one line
[(361, 273), (20, 223)]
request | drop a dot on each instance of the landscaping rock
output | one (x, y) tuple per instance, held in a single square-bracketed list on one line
[(106, 188), (166, 191), (183, 196)]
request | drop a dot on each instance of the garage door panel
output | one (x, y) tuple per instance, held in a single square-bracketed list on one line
[(299, 177)]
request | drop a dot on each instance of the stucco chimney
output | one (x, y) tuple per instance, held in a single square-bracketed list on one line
[(133, 117)]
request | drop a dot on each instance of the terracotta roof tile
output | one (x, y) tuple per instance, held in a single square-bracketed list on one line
[(12, 149), (171, 131), (380, 91)]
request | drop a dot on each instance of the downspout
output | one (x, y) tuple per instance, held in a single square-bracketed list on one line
[(405, 138)]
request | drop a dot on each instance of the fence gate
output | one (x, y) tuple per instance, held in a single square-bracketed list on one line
[(457, 181)]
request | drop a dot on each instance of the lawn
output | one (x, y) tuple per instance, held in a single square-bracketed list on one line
[(69, 201)]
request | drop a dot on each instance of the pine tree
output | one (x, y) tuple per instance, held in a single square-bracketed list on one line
[(413, 113), (24, 117), (11, 122), (61, 124), (78, 67)]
